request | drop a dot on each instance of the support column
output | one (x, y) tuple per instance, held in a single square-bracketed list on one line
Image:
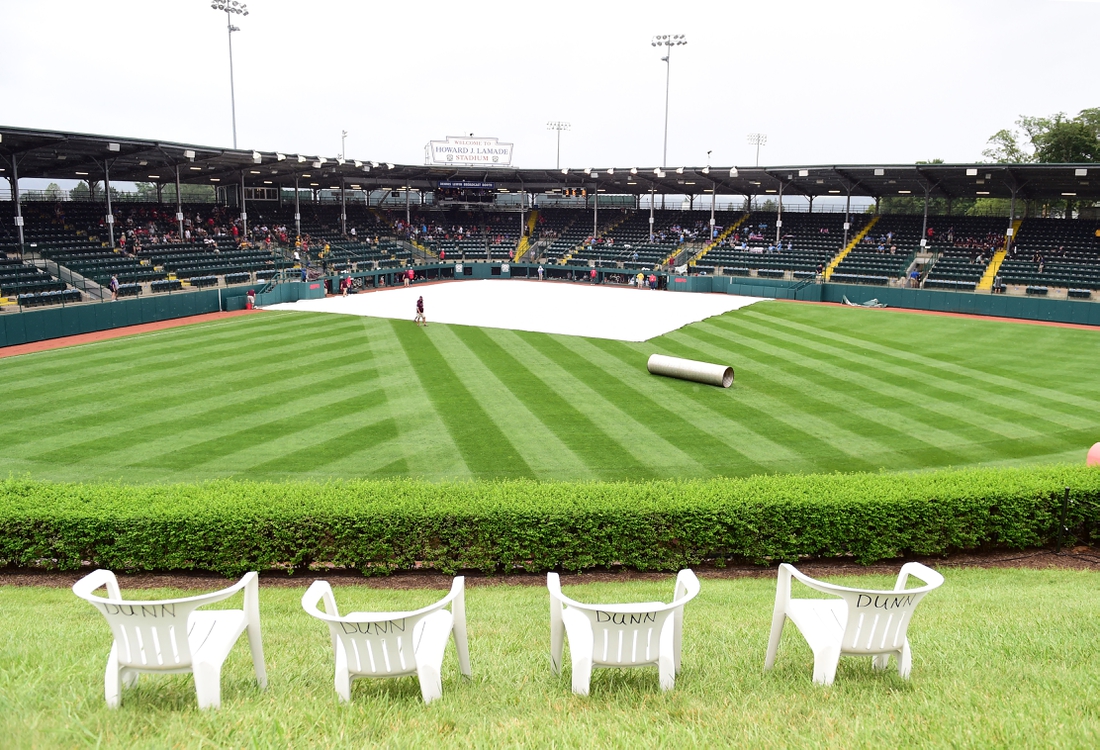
[(15, 197), (651, 196), (811, 198), (343, 208), (297, 212), (924, 226), (1011, 220), (160, 191), (244, 211), (408, 219), (847, 217), (713, 201), (595, 214), (779, 214), (110, 219), (179, 202)]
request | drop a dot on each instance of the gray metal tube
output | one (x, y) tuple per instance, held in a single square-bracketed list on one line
[(690, 369)]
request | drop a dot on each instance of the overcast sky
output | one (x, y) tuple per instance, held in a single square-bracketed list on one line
[(828, 81)]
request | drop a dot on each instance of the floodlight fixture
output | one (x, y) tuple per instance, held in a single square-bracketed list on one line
[(256, 158), (668, 41), (633, 170), (280, 157), (733, 171), (389, 166), (758, 140), (558, 125), (610, 171), (679, 170)]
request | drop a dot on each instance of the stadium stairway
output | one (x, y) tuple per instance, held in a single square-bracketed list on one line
[(720, 238), (855, 241), (525, 241), (985, 284)]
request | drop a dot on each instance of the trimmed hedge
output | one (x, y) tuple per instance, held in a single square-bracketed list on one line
[(233, 526)]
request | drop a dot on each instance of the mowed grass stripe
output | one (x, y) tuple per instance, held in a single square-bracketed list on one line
[(320, 407), (249, 397), (708, 408), (952, 371), (484, 448), (930, 420), (120, 376), (629, 417), (575, 432), (713, 453), (996, 399), (319, 455), (424, 445), (155, 389), (544, 452), (795, 393), (125, 353), (815, 439)]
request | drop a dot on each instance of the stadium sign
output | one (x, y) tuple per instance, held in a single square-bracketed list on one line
[(467, 185), (468, 152)]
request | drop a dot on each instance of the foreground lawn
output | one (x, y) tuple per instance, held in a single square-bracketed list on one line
[(1002, 658), (314, 396)]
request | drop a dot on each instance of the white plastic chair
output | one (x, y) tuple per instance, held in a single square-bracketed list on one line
[(619, 635), (170, 636), (394, 644), (859, 622)]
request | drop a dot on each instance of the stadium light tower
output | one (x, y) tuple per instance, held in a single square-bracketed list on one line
[(230, 7), (558, 126), (758, 140), (668, 41)]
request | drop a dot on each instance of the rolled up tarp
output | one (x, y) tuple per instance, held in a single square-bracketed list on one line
[(690, 369)]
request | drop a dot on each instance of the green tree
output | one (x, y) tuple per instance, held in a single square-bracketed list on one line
[(1048, 140), (54, 192)]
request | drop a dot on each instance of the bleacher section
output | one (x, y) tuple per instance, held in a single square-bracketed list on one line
[(1055, 253), (884, 254), (808, 243), (964, 246)]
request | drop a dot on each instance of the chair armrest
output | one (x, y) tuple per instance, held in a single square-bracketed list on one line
[(320, 590), (929, 577), (94, 580)]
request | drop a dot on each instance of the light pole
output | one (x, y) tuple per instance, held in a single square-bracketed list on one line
[(230, 7), (559, 126), (758, 140), (668, 41), (343, 144)]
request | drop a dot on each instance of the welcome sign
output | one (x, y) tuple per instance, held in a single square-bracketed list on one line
[(468, 152)]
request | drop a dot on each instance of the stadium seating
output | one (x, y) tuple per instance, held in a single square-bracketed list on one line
[(808, 243), (1055, 253)]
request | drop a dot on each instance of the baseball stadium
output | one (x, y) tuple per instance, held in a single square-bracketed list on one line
[(299, 379)]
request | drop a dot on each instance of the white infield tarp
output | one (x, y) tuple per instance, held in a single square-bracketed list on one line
[(574, 309)]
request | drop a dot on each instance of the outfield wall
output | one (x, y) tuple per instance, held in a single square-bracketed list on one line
[(54, 322)]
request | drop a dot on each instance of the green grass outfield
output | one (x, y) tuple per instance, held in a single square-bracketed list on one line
[(313, 396), (1001, 658)]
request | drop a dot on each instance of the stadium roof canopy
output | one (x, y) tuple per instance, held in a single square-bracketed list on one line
[(60, 155)]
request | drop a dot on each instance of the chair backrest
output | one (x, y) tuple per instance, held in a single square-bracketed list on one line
[(878, 620), (628, 634), (379, 643), (148, 634)]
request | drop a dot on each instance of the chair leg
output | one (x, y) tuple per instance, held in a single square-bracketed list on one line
[(905, 660), (343, 679), (431, 683), (112, 691), (666, 666), (582, 673), (257, 648), (825, 664), (208, 684), (779, 618), (881, 662)]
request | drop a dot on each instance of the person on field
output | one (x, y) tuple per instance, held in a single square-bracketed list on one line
[(114, 288), (542, 272), (420, 319), (251, 299)]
